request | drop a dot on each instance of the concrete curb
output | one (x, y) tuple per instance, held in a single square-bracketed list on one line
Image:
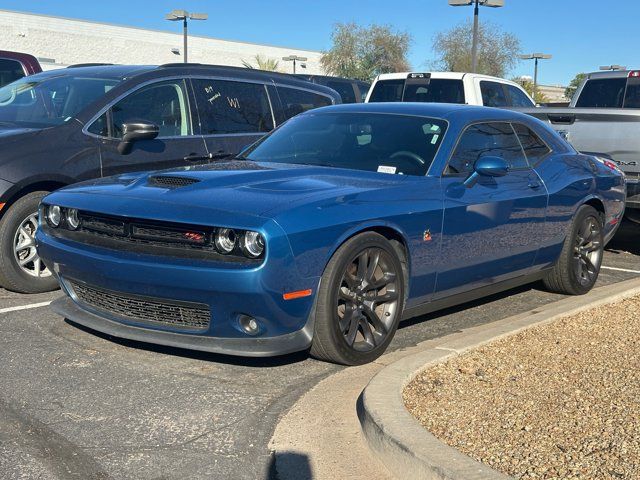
[(401, 442)]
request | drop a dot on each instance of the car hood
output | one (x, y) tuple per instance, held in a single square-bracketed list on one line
[(244, 187)]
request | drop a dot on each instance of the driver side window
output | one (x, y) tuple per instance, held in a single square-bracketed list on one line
[(163, 103), (495, 139)]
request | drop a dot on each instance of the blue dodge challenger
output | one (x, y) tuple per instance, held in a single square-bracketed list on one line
[(330, 230)]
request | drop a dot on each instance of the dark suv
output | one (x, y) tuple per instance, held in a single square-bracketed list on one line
[(62, 126), (351, 91)]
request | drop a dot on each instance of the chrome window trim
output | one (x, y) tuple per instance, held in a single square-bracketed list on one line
[(284, 85)]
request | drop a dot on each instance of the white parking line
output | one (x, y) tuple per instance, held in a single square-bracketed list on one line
[(620, 269), (24, 307)]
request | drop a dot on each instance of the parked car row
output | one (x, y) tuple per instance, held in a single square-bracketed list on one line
[(245, 212)]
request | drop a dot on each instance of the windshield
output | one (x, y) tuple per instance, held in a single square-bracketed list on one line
[(395, 144), (50, 101)]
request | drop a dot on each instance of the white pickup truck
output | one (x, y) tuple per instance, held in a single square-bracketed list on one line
[(603, 118), (449, 87)]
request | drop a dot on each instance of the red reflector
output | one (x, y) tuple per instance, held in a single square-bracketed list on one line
[(611, 165), (614, 221), (298, 294), (634, 73)]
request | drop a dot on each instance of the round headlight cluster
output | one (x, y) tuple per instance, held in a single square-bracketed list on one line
[(57, 216), (251, 243)]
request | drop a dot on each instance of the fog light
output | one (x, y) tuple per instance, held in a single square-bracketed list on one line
[(54, 215), (249, 325), (73, 222)]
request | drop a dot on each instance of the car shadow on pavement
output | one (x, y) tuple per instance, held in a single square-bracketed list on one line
[(290, 465), (262, 362)]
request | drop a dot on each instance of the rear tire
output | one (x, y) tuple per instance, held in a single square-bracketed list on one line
[(577, 269), (359, 302), (17, 231)]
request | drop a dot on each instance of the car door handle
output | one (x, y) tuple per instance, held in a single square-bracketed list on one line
[(196, 157)]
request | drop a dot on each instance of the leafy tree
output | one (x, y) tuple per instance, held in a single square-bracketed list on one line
[(527, 84), (497, 50), (263, 63), (365, 52), (573, 85)]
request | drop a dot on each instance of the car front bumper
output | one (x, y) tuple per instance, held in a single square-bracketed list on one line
[(246, 347)]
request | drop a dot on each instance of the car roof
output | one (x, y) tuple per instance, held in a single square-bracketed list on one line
[(123, 72), (434, 110), (437, 75)]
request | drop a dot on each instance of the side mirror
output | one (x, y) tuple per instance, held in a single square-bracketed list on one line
[(487, 167), (135, 131)]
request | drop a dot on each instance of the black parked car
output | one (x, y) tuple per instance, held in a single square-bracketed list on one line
[(62, 126), (351, 91)]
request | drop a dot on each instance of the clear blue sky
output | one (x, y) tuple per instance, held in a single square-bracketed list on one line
[(581, 34)]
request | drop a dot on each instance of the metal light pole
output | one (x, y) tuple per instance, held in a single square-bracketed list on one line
[(177, 15), (294, 59), (476, 11), (535, 57)]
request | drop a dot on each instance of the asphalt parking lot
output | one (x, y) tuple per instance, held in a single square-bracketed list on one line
[(74, 404)]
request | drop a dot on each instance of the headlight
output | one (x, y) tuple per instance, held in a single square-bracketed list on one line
[(252, 244), (225, 240), (73, 222), (54, 215)]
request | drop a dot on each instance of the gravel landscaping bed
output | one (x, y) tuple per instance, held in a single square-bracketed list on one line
[(556, 401)]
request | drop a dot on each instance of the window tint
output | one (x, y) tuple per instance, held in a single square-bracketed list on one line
[(10, 71), (364, 90), (392, 144), (387, 91), (419, 90), (345, 89), (295, 101), (518, 97), (493, 94), (232, 107), (100, 126), (602, 93), (162, 103), (486, 139), (632, 95), (534, 148)]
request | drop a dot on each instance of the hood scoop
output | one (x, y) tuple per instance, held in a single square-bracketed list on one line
[(171, 181)]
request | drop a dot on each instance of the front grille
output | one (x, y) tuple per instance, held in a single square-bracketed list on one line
[(170, 181), (144, 309)]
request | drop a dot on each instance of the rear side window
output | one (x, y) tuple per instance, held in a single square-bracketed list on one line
[(10, 71), (345, 89), (232, 107), (632, 95), (439, 90), (517, 97), (493, 94), (602, 93), (295, 101), (534, 148), (494, 139), (162, 103)]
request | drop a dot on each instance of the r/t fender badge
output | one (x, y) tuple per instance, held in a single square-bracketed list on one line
[(427, 236)]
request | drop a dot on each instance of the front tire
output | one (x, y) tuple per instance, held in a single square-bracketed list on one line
[(578, 267), (360, 301), (21, 269)]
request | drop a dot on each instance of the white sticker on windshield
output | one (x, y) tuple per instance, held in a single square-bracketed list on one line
[(386, 169), (434, 139)]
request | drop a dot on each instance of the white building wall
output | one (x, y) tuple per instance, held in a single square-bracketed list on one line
[(69, 41)]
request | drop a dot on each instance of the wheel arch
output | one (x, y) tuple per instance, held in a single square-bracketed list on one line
[(19, 190)]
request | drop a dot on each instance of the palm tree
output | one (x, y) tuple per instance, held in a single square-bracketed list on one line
[(263, 63)]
